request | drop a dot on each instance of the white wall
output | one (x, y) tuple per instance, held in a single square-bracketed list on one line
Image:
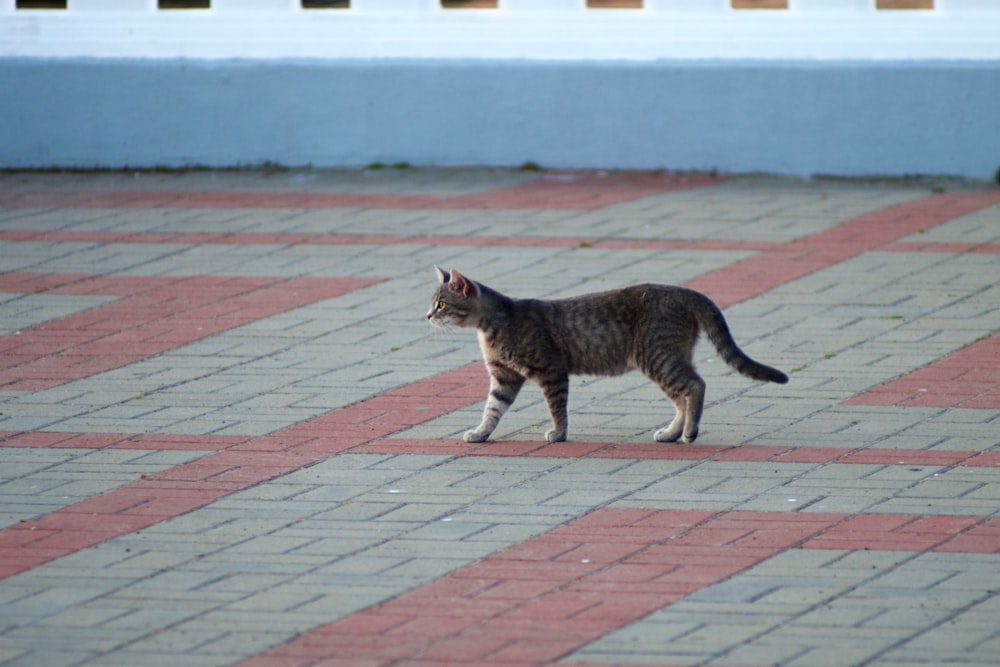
[(828, 86), (564, 30)]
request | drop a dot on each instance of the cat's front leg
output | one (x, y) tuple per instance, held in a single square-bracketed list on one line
[(504, 386), (556, 391)]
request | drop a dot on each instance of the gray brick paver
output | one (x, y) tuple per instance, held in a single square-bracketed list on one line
[(277, 559)]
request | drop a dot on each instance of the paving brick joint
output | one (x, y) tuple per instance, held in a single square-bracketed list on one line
[(228, 437)]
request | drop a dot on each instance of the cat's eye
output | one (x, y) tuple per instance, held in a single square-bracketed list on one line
[(441, 305)]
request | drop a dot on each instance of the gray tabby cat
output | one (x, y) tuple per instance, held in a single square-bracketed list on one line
[(652, 328)]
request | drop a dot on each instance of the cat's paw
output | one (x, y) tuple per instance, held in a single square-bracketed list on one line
[(667, 435), (553, 435), (689, 437), (475, 436)]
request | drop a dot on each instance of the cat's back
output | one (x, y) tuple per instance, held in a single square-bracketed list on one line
[(628, 304), (597, 332)]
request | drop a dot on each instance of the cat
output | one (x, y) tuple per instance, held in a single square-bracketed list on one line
[(652, 328)]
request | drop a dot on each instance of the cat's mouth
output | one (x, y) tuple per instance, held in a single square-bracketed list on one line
[(438, 322), (443, 323)]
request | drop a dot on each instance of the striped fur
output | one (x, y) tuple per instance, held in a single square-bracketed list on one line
[(651, 328)]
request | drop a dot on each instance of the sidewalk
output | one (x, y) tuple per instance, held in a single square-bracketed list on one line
[(228, 436)]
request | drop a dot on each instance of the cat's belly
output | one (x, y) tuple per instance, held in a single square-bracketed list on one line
[(597, 365)]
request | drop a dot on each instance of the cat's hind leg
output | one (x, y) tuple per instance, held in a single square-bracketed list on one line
[(685, 388), (556, 391), (673, 431), (504, 387), (695, 399)]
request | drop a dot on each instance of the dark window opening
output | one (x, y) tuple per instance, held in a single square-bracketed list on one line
[(326, 4), (184, 4), (469, 4), (40, 4)]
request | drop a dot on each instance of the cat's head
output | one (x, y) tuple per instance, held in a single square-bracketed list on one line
[(455, 302)]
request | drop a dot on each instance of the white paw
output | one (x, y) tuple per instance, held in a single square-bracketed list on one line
[(666, 435), (475, 436), (553, 435)]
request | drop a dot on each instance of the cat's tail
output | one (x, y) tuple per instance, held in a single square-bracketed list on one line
[(713, 323)]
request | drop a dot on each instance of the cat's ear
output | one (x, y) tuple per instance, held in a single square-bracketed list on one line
[(460, 283), (442, 275)]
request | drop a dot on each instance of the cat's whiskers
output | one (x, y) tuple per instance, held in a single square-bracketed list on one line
[(444, 330)]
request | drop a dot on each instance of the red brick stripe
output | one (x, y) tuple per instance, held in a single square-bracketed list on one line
[(945, 247), (584, 191), (243, 463), (299, 238), (541, 600), (681, 452), (369, 411), (404, 446), (153, 315), (250, 238), (873, 532), (968, 378), (781, 265)]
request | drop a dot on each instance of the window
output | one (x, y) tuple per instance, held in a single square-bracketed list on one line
[(614, 4), (759, 4), (183, 4), (326, 4), (469, 4), (40, 4), (904, 4)]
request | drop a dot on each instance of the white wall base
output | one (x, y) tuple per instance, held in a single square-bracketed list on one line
[(844, 118)]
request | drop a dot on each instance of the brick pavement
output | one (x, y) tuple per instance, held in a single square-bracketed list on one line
[(229, 437)]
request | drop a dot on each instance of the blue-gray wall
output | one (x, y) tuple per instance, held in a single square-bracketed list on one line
[(839, 118)]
